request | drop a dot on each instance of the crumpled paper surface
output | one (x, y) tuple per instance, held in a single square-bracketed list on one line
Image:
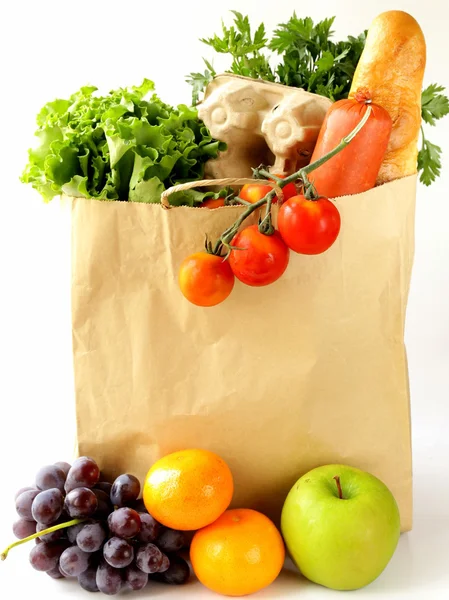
[(277, 380)]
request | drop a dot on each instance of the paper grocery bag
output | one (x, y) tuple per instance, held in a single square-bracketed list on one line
[(277, 380)]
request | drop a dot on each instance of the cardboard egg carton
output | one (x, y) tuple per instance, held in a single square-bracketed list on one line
[(262, 123)]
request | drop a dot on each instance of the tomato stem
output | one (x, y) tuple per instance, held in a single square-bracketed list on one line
[(275, 178), (301, 175), (4, 554), (227, 235), (268, 175), (266, 224), (241, 201)]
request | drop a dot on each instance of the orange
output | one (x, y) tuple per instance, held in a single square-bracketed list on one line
[(241, 553), (189, 489)]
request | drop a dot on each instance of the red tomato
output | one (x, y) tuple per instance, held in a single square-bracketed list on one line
[(213, 203), (289, 190), (263, 260), (309, 226), (253, 192), (205, 279)]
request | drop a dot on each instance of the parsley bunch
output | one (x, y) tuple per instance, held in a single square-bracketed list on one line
[(309, 59)]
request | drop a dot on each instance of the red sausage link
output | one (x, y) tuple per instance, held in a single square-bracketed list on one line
[(354, 169)]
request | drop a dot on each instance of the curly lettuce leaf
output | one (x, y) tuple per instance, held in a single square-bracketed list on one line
[(148, 191), (124, 145)]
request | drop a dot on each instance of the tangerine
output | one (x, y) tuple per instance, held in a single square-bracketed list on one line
[(189, 489), (240, 553)]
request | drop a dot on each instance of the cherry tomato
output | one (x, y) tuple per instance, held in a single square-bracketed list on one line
[(289, 190), (205, 279), (263, 259), (309, 226), (253, 192), (213, 203)]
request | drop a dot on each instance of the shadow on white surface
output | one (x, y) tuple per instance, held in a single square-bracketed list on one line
[(418, 569)]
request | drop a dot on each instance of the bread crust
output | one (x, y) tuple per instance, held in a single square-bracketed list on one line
[(392, 68)]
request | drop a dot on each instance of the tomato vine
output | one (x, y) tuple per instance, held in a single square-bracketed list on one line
[(301, 176)]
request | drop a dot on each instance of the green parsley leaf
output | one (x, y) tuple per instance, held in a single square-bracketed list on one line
[(199, 82), (325, 63), (434, 104), (429, 162)]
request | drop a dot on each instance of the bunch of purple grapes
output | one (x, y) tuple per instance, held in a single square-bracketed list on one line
[(118, 544)]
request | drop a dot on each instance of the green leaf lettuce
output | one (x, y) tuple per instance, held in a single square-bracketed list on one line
[(121, 146)]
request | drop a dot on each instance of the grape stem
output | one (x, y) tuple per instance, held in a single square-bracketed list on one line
[(5, 553), (301, 175)]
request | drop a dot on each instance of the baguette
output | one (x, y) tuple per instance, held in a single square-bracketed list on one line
[(392, 68)]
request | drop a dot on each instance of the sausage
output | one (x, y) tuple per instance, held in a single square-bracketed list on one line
[(356, 167)]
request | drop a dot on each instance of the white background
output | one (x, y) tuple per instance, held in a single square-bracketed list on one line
[(48, 50)]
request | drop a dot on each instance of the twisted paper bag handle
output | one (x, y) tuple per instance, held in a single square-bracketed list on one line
[(218, 182)]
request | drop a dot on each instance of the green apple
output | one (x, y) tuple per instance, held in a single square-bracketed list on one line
[(341, 526)]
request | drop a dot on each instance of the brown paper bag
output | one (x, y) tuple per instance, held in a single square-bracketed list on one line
[(277, 380)]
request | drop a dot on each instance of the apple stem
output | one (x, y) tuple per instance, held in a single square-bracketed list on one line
[(340, 492)]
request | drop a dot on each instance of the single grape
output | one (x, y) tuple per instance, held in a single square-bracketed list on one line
[(45, 557), (24, 502), (50, 477), (23, 528), (74, 561), (135, 578), (55, 573), (91, 537), (171, 540), (47, 506), (105, 507), (125, 490), (108, 579), (24, 489), (139, 506), (62, 572), (118, 553), (103, 511), (149, 558), (83, 473), (55, 535), (149, 529), (124, 522), (70, 484), (88, 579), (73, 531), (102, 496), (165, 564), (178, 572), (81, 502), (64, 466), (104, 486)]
